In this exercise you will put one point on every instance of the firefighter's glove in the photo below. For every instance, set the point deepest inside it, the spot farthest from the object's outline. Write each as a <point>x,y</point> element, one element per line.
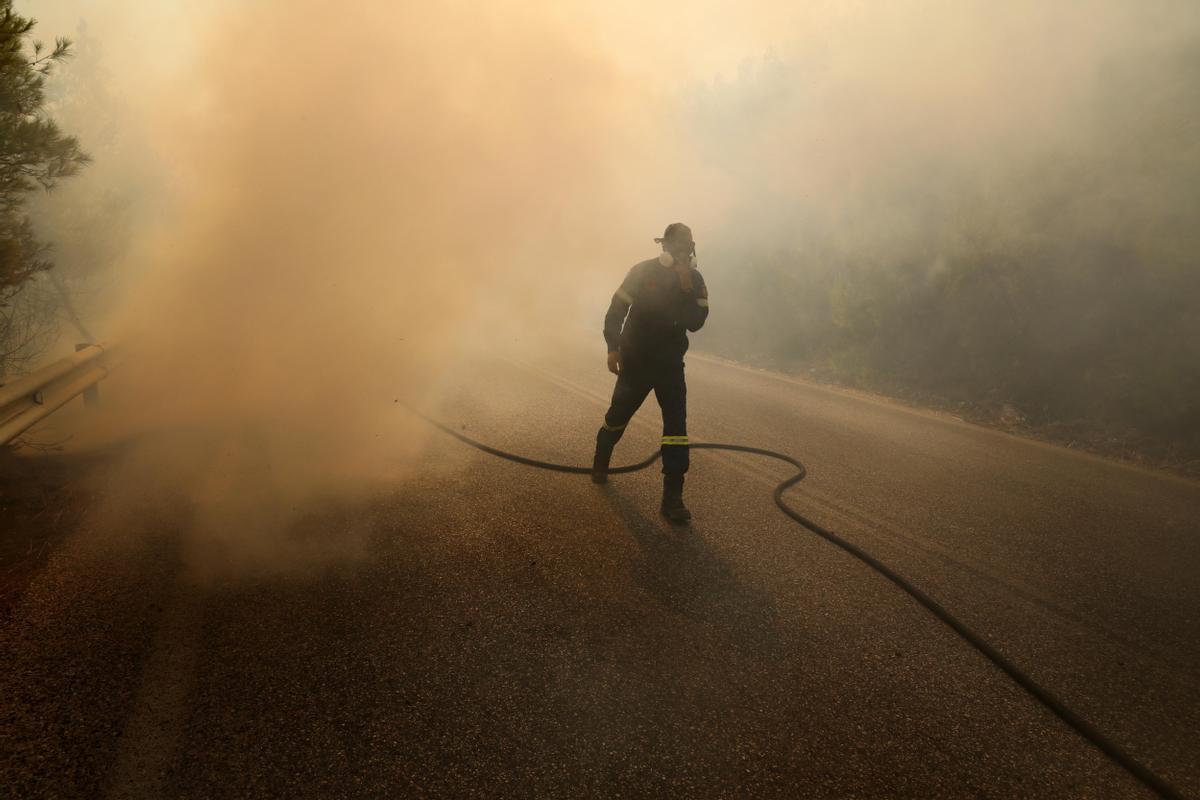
<point>614,363</point>
<point>684,272</point>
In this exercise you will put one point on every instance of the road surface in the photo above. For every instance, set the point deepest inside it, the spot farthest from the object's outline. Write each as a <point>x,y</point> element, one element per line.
<point>504,632</point>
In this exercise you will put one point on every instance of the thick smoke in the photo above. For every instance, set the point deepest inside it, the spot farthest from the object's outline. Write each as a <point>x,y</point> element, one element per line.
<point>352,195</point>
<point>353,198</point>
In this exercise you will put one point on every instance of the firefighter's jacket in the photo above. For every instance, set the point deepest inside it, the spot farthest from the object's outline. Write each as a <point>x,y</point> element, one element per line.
<point>659,313</point>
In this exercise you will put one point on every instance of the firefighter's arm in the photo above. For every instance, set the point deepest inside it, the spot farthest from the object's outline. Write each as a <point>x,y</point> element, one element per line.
<point>695,304</point>
<point>614,321</point>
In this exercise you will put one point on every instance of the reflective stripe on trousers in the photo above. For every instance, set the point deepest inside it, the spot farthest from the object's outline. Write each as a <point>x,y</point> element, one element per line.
<point>633,385</point>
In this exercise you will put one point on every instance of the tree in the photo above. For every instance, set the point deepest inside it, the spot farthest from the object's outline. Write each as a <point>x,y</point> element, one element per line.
<point>34,154</point>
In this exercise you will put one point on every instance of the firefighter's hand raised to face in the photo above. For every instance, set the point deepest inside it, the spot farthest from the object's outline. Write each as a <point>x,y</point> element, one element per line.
<point>684,273</point>
<point>614,363</point>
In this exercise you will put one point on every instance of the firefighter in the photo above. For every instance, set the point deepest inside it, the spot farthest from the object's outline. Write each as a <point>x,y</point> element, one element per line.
<point>646,332</point>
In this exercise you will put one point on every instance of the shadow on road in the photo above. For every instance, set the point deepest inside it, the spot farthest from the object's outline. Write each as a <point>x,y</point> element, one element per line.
<point>682,572</point>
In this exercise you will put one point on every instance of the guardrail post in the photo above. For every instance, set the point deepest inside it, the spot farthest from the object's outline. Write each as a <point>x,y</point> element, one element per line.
<point>91,395</point>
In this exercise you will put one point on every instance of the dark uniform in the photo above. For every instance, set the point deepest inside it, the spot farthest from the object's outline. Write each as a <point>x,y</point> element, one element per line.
<point>647,323</point>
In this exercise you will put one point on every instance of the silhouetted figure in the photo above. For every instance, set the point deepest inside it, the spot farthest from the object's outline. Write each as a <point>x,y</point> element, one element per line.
<point>646,331</point>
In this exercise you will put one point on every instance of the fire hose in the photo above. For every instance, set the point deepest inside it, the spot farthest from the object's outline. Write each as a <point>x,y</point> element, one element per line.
<point>1047,698</point>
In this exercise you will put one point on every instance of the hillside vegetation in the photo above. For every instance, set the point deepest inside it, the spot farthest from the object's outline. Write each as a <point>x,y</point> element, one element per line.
<point>1058,283</point>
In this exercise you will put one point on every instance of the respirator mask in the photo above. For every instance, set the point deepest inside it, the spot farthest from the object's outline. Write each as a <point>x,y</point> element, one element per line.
<point>667,260</point>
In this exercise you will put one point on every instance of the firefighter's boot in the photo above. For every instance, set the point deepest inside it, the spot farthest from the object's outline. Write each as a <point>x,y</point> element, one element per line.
<point>672,501</point>
<point>605,441</point>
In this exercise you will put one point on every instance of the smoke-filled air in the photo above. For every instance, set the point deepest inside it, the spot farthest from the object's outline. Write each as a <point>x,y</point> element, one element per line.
<point>599,398</point>
<point>297,217</point>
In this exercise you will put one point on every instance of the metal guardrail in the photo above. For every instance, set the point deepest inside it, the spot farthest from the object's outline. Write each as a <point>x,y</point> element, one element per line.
<point>33,397</point>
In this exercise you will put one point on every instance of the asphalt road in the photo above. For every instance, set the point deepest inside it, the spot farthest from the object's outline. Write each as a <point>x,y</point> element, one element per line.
<point>504,632</point>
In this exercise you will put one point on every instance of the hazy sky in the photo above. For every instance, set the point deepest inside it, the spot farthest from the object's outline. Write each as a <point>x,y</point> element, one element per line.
<point>145,42</point>
<point>666,44</point>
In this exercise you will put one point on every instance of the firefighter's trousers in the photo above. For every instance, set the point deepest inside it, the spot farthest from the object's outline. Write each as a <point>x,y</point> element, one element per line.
<point>633,384</point>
